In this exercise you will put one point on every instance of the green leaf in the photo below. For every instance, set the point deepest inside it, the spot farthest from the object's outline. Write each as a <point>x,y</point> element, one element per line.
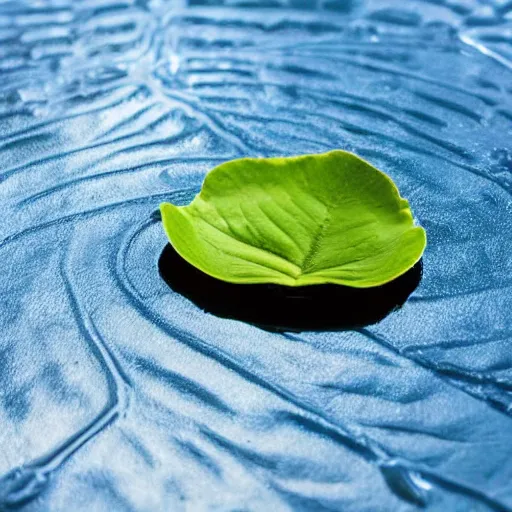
<point>329,218</point>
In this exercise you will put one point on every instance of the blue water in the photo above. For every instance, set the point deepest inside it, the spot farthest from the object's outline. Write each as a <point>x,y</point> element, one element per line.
<point>117,393</point>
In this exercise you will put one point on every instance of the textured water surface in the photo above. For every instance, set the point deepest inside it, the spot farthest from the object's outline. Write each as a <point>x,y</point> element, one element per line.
<point>117,393</point>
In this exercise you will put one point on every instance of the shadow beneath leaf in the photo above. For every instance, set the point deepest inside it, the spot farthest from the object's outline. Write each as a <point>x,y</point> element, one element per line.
<point>283,308</point>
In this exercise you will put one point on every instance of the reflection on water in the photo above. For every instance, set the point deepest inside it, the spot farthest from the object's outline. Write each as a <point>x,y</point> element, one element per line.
<point>118,393</point>
<point>280,308</point>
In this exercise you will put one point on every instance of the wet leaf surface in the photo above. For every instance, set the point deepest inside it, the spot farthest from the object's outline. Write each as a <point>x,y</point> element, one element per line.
<point>297,221</point>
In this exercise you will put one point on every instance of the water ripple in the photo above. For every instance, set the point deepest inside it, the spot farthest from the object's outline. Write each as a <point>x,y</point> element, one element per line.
<point>115,392</point>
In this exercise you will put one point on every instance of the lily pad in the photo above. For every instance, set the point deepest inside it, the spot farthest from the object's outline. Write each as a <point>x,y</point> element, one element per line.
<point>296,221</point>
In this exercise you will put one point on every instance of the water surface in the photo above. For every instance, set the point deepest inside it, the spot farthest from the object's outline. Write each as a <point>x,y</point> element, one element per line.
<point>117,393</point>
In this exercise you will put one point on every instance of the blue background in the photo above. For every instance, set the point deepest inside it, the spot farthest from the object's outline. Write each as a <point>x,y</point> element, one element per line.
<point>118,394</point>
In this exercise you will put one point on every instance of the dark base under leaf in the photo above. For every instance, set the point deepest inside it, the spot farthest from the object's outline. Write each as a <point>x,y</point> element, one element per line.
<point>282,308</point>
